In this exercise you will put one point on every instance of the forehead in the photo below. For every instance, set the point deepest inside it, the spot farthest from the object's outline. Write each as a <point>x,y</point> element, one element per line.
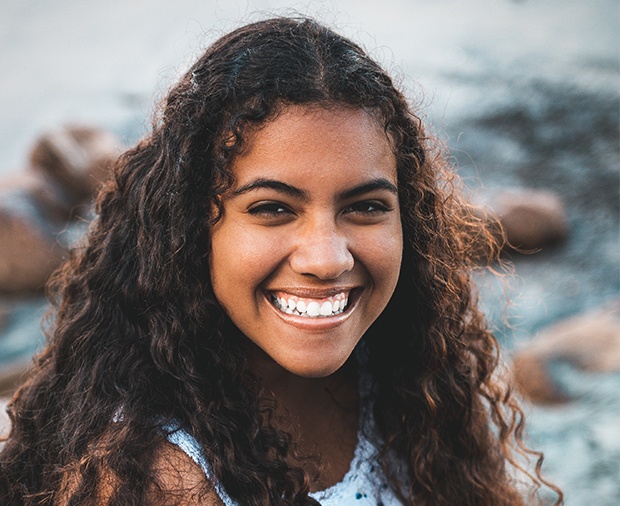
<point>316,142</point>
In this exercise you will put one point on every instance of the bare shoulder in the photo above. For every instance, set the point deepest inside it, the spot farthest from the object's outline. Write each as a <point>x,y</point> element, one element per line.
<point>179,480</point>
<point>176,481</point>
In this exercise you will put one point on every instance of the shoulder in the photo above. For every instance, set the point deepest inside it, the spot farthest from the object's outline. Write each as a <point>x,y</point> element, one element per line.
<point>180,480</point>
<point>176,481</point>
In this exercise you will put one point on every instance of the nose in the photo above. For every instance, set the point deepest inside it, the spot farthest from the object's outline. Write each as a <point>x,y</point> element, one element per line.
<point>322,251</point>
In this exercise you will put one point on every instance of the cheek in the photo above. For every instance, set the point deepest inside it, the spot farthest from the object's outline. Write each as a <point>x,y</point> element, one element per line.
<point>389,264</point>
<point>382,255</point>
<point>240,260</point>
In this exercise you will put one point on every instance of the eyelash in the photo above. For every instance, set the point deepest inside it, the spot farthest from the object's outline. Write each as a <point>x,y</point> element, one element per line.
<point>275,209</point>
<point>269,209</point>
<point>369,207</point>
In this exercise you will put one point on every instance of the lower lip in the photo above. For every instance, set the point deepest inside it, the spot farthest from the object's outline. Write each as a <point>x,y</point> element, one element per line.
<point>319,324</point>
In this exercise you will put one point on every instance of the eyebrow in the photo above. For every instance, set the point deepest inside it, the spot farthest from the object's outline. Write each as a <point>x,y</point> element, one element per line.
<point>273,184</point>
<point>372,185</point>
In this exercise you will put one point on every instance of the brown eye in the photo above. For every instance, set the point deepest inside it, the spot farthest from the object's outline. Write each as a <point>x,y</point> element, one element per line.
<point>369,207</point>
<point>269,209</point>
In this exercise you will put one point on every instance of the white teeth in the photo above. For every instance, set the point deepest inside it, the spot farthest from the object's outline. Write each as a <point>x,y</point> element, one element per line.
<point>326,309</point>
<point>314,309</point>
<point>311,308</point>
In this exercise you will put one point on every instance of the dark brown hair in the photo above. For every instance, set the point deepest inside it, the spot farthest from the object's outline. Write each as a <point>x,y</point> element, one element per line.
<point>138,337</point>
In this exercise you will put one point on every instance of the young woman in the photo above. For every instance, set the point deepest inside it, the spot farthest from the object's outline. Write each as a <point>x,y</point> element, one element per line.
<point>273,306</point>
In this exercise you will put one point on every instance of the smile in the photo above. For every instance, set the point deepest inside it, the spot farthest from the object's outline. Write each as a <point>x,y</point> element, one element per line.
<point>309,307</point>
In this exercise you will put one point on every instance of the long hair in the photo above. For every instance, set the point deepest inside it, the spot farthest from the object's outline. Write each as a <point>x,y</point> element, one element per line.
<point>138,337</point>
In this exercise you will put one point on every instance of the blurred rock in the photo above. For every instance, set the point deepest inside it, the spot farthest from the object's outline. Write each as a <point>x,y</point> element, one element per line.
<point>67,166</point>
<point>534,381</point>
<point>530,219</point>
<point>79,158</point>
<point>27,255</point>
<point>37,188</point>
<point>29,251</point>
<point>4,316</point>
<point>590,342</point>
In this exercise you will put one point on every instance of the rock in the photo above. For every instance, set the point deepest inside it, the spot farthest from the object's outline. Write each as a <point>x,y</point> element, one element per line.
<point>79,158</point>
<point>27,255</point>
<point>590,342</point>
<point>29,251</point>
<point>530,219</point>
<point>67,166</point>
<point>52,201</point>
<point>533,380</point>
<point>4,316</point>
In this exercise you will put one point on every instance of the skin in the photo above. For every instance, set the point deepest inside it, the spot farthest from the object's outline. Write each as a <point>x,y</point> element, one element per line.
<point>313,213</point>
<point>312,216</point>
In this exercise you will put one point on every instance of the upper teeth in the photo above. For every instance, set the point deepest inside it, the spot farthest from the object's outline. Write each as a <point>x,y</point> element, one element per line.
<point>311,307</point>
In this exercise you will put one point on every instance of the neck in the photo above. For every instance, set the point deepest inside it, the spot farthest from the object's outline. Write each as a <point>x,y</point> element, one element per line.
<point>297,393</point>
<point>321,415</point>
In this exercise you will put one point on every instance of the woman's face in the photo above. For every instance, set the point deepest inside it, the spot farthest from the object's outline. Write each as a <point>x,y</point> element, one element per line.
<point>308,250</point>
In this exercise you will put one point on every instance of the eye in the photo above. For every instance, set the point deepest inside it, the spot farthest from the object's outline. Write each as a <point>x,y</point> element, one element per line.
<point>269,210</point>
<point>368,207</point>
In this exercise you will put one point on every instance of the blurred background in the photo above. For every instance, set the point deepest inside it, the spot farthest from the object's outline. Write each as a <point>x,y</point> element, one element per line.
<point>524,94</point>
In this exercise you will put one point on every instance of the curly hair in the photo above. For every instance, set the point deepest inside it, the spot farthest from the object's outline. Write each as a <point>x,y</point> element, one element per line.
<point>137,335</point>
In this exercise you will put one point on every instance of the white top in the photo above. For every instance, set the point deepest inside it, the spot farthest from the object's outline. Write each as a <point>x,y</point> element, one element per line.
<point>363,485</point>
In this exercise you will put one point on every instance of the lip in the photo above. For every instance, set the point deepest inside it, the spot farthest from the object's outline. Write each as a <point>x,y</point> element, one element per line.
<point>316,324</point>
<point>313,293</point>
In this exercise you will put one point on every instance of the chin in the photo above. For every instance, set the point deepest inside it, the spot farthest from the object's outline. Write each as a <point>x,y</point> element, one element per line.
<point>313,368</point>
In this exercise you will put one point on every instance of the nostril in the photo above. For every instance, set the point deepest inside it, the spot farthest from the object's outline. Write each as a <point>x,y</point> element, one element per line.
<point>326,257</point>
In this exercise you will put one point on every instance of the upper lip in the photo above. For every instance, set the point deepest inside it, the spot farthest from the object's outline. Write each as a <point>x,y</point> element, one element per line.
<point>313,293</point>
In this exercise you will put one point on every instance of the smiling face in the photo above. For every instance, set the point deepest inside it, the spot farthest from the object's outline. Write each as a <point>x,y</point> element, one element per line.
<point>308,250</point>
